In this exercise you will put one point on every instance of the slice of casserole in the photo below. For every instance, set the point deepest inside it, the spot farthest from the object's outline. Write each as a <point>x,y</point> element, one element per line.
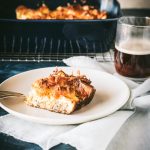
<point>61,93</point>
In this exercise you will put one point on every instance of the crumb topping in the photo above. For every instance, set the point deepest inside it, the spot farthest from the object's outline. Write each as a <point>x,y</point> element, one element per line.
<point>59,83</point>
<point>69,12</point>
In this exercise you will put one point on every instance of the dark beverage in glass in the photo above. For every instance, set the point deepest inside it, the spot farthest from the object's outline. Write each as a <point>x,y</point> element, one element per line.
<point>132,48</point>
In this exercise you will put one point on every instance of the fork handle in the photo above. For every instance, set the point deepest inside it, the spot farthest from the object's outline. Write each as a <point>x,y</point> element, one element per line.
<point>4,94</point>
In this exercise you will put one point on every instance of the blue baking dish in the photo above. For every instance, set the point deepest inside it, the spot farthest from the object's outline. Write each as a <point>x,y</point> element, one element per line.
<point>57,36</point>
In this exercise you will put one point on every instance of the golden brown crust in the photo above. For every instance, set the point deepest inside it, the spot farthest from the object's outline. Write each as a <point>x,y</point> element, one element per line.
<point>59,83</point>
<point>62,12</point>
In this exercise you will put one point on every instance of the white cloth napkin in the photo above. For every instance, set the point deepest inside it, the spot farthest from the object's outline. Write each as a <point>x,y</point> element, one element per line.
<point>92,135</point>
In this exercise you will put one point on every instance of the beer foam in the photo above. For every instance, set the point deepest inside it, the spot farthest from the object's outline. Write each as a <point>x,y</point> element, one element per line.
<point>134,47</point>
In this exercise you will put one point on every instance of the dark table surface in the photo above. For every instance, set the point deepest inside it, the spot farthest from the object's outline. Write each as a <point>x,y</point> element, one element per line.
<point>8,69</point>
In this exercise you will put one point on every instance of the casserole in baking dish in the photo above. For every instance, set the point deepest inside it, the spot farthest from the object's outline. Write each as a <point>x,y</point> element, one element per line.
<point>57,36</point>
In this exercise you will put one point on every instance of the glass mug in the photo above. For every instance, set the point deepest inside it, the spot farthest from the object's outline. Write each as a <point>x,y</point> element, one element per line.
<point>132,47</point>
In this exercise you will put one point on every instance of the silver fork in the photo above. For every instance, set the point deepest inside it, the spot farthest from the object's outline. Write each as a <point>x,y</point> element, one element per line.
<point>4,94</point>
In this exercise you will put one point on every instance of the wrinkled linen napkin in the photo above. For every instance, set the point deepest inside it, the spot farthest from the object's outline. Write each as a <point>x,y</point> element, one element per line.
<point>87,136</point>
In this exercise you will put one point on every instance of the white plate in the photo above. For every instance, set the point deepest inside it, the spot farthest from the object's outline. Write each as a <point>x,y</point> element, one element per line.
<point>111,94</point>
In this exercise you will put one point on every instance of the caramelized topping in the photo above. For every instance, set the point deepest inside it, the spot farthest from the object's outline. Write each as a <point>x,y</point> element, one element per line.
<point>60,83</point>
<point>62,12</point>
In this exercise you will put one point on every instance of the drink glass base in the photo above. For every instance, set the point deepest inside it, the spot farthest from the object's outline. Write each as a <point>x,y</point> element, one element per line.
<point>138,80</point>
